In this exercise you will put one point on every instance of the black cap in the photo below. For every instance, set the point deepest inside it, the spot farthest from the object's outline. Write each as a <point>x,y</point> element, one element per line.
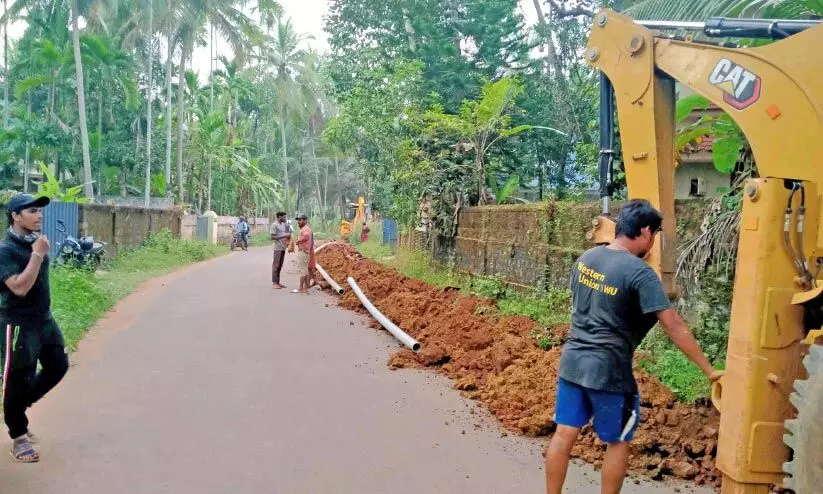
<point>301,216</point>
<point>23,201</point>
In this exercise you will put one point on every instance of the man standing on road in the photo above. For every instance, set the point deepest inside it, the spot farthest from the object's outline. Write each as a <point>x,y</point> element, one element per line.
<point>31,333</point>
<point>305,250</point>
<point>280,234</point>
<point>616,299</point>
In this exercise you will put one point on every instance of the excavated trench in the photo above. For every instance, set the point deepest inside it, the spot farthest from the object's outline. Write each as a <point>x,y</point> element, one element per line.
<point>492,358</point>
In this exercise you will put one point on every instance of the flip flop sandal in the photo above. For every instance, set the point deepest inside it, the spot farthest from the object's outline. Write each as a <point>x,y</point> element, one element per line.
<point>23,452</point>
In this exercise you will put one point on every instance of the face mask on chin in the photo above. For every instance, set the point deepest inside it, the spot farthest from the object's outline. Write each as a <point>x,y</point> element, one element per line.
<point>28,238</point>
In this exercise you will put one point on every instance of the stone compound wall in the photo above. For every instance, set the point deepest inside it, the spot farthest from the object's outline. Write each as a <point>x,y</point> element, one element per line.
<point>534,245</point>
<point>125,226</point>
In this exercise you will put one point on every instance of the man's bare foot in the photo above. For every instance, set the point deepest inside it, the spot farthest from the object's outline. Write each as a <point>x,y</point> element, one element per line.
<point>277,286</point>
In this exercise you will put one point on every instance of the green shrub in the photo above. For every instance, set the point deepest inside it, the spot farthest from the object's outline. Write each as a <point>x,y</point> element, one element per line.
<point>677,373</point>
<point>713,306</point>
<point>77,302</point>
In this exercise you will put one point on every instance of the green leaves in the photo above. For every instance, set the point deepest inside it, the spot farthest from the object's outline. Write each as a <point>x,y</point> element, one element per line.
<point>29,84</point>
<point>518,129</point>
<point>496,99</point>
<point>509,188</point>
<point>51,188</point>
<point>725,151</point>
<point>727,138</point>
<point>686,105</point>
<point>692,133</point>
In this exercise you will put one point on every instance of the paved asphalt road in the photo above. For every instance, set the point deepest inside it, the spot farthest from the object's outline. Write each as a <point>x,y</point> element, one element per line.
<point>208,381</point>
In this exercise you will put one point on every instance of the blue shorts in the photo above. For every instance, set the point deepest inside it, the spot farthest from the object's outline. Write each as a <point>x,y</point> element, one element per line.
<point>616,415</point>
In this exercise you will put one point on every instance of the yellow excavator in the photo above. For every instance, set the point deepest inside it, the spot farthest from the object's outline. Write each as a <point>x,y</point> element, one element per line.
<point>771,397</point>
<point>356,216</point>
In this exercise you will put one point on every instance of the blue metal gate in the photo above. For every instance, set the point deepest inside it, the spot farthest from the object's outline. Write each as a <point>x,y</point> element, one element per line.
<point>60,219</point>
<point>202,229</point>
<point>389,231</point>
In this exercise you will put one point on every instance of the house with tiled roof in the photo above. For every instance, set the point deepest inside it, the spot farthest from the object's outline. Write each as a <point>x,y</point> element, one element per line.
<point>696,175</point>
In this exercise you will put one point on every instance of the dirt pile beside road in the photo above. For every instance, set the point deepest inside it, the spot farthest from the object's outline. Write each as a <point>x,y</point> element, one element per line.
<point>493,359</point>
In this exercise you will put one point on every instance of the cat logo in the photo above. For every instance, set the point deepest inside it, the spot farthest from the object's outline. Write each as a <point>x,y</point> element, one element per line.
<point>740,87</point>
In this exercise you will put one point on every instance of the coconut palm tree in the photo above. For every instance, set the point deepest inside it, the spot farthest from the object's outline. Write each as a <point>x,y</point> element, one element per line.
<point>698,10</point>
<point>294,81</point>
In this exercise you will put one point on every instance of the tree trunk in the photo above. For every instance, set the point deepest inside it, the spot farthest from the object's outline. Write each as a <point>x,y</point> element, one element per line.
<point>169,104</point>
<point>88,190</point>
<point>550,51</point>
<point>326,192</point>
<point>208,192</point>
<point>319,192</point>
<point>299,180</point>
<point>211,66</point>
<point>478,163</point>
<point>409,29</point>
<point>99,125</point>
<point>149,98</point>
<point>541,170</point>
<point>26,162</point>
<point>339,190</point>
<point>52,90</point>
<point>285,158</point>
<point>6,67</point>
<point>122,181</point>
<point>181,105</point>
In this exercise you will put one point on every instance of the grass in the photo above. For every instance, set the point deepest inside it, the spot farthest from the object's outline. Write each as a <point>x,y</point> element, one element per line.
<point>260,239</point>
<point>80,297</point>
<point>547,308</point>
<point>660,358</point>
<point>675,371</point>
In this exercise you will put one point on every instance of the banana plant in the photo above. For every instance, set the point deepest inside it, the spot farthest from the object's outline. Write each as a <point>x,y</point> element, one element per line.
<point>51,188</point>
<point>727,138</point>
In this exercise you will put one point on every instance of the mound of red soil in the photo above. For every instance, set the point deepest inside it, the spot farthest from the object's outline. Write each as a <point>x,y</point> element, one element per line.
<point>493,359</point>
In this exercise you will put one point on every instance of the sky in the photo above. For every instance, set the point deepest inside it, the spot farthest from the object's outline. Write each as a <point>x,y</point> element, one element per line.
<point>306,16</point>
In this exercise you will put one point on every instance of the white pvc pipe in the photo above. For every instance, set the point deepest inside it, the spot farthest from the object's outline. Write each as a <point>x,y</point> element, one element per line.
<point>328,279</point>
<point>383,320</point>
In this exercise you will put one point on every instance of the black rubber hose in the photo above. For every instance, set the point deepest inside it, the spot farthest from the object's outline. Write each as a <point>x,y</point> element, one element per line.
<point>606,135</point>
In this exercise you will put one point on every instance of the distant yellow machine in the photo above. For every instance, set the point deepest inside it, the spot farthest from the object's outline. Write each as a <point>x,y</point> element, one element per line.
<point>771,397</point>
<point>356,216</point>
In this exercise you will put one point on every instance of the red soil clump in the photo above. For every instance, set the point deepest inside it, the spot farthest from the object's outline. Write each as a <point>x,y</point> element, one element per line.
<point>492,358</point>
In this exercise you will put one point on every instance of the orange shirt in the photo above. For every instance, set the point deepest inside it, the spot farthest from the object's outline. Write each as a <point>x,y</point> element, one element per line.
<point>304,239</point>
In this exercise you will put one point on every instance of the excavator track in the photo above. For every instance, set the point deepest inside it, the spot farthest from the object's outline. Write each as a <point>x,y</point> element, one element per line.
<point>806,431</point>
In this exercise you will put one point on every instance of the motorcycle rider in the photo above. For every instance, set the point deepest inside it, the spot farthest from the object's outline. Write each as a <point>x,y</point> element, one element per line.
<point>242,230</point>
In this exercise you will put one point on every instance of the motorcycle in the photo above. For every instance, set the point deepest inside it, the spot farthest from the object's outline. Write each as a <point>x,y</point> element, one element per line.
<point>237,241</point>
<point>79,252</point>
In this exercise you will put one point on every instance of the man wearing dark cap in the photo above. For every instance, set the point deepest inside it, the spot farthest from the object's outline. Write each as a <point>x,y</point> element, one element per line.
<point>31,334</point>
<point>305,252</point>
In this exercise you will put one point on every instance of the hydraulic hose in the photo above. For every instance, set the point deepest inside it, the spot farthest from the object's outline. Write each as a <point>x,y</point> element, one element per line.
<point>606,159</point>
<point>795,258</point>
<point>801,216</point>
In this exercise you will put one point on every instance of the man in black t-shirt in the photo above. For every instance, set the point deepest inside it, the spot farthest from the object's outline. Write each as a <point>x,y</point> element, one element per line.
<point>30,333</point>
<point>616,299</point>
